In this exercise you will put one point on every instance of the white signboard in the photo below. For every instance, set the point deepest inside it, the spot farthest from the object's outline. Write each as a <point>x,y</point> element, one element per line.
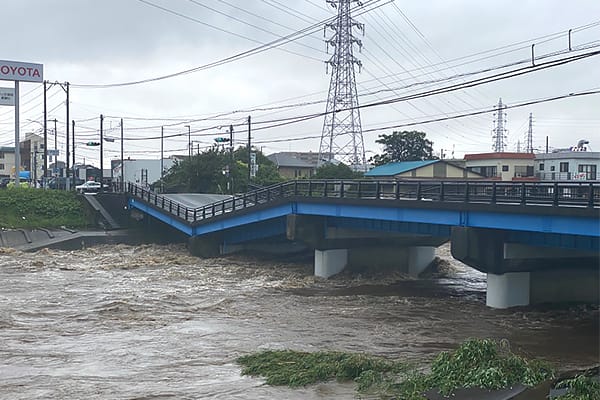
<point>7,96</point>
<point>20,71</point>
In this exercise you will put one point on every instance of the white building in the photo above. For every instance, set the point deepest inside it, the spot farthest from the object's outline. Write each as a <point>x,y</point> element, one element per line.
<point>568,165</point>
<point>504,166</point>
<point>141,172</point>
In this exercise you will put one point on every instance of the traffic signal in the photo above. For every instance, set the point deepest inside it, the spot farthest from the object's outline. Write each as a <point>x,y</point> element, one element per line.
<point>221,140</point>
<point>92,144</point>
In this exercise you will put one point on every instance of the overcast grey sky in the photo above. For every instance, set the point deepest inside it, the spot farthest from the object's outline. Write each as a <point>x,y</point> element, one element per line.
<point>406,42</point>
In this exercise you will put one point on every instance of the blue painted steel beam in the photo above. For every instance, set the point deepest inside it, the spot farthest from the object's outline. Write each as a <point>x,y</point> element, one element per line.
<point>167,218</point>
<point>476,219</point>
<point>560,231</point>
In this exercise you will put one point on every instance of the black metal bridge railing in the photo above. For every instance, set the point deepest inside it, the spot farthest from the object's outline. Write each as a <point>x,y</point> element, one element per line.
<point>553,194</point>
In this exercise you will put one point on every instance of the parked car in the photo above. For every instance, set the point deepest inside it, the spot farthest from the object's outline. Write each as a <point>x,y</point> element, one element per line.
<point>61,183</point>
<point>90,187</point>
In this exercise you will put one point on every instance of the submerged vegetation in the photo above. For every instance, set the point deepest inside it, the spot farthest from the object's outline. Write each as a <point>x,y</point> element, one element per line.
<point>36,208</point>
<point>480,363</point>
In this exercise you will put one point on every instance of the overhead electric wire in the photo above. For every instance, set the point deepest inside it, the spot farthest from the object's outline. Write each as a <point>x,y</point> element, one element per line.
<point>256,50</point>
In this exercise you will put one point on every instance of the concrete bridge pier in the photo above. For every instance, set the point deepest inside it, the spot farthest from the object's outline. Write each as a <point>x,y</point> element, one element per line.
<point>339,248</point>
<point>520,275</point>
<point>411,260</point>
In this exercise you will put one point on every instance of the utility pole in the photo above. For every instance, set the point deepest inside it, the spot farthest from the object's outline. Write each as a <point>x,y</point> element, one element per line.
<point>249,151</point>
<point>101,152</point>
<point>232,161</point>
<point>530,135</point>
<point>342,130</point>
<point>55,144</point>
<point>122,161</point>
<point>45,138</point>
<point>162,134</point>
<point>499,132</point>
<point>67,168</point>
<point>189,141</point>
<point>73,133</point>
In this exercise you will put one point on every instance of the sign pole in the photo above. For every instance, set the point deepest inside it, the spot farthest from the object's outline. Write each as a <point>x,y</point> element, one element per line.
<point>17,141</point>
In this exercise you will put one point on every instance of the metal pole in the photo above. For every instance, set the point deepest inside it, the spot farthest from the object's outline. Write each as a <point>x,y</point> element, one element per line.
<point>231,157</point>
<point>189,141</point>
<point>45,137</point>
<point>546,144</point>
<point>101,152</point>
<point>73,133</point>
<point>17,141</point>
<point>162,134</point>
<point>67,166</point>
<point>55,148</point>
<point>249,151</point>
<point>122,161</point>
<point>35,165</point>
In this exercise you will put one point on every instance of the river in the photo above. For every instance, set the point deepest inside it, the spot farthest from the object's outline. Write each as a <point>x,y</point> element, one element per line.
<point>153,322</point>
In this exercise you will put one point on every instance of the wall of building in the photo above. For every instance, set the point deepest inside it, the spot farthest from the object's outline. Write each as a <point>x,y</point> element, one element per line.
<point>295,172</point>
<point>568,166</point>
<point>7,161</point>
<point>142,171</point>
<point>506,169</point>
<point>438,170</point>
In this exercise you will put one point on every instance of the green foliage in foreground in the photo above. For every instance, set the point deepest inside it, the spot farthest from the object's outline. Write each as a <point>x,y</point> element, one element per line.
<point>36,208</point>
<point>293,368</point>
<point>476,363</point>
<point>581,388</point>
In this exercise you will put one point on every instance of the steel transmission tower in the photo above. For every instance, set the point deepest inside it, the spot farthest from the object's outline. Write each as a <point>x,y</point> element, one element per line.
<point>530,135</point>
<point>499,132</point>
<point>342,130</point>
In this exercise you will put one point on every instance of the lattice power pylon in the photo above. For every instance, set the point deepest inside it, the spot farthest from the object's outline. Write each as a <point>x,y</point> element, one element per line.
<point>530,134</point>
<point>499,132</point>
<point>342,131</point>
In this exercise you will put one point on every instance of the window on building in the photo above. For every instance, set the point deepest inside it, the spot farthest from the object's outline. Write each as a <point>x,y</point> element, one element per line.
<point>505,168</point>
<point>541,166</point>
<point>1,155</point>
<point>552,168</point>
<point>589,170</point>
<point>1,166</point>
<point>564,167</point>
<point>523,170</point>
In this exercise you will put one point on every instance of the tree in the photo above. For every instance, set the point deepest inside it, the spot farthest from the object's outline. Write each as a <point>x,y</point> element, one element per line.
<point>404,146</point>
<point>333,171</point>
<point>213,171</point>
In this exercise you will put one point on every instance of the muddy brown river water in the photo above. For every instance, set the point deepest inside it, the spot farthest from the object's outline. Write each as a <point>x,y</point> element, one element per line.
<point>152,322</point>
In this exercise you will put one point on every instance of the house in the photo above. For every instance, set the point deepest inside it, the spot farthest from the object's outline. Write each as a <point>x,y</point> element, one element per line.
<point>503,166</point>
<point>428,169</point>
<point>567,165</point>
<point>291,167</point>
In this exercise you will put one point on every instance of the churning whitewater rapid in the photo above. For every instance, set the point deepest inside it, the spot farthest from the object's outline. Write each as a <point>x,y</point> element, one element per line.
<point>153,322</point>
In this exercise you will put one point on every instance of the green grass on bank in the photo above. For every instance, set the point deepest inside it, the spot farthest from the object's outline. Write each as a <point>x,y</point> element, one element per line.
<point>476,363</point>
<point>36,208</point>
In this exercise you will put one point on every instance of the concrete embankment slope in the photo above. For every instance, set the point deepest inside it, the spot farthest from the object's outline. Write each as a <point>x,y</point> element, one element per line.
<point>66,239</point>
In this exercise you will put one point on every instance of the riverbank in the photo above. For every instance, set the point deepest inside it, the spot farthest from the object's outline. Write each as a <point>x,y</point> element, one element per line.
<point>63,239</point>
<point>30,208</point>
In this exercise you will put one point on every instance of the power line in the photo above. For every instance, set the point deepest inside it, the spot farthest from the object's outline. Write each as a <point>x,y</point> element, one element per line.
<point>256,50</point>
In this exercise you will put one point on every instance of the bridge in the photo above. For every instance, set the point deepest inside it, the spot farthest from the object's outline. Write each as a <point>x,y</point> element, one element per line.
<point>536,241</point>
